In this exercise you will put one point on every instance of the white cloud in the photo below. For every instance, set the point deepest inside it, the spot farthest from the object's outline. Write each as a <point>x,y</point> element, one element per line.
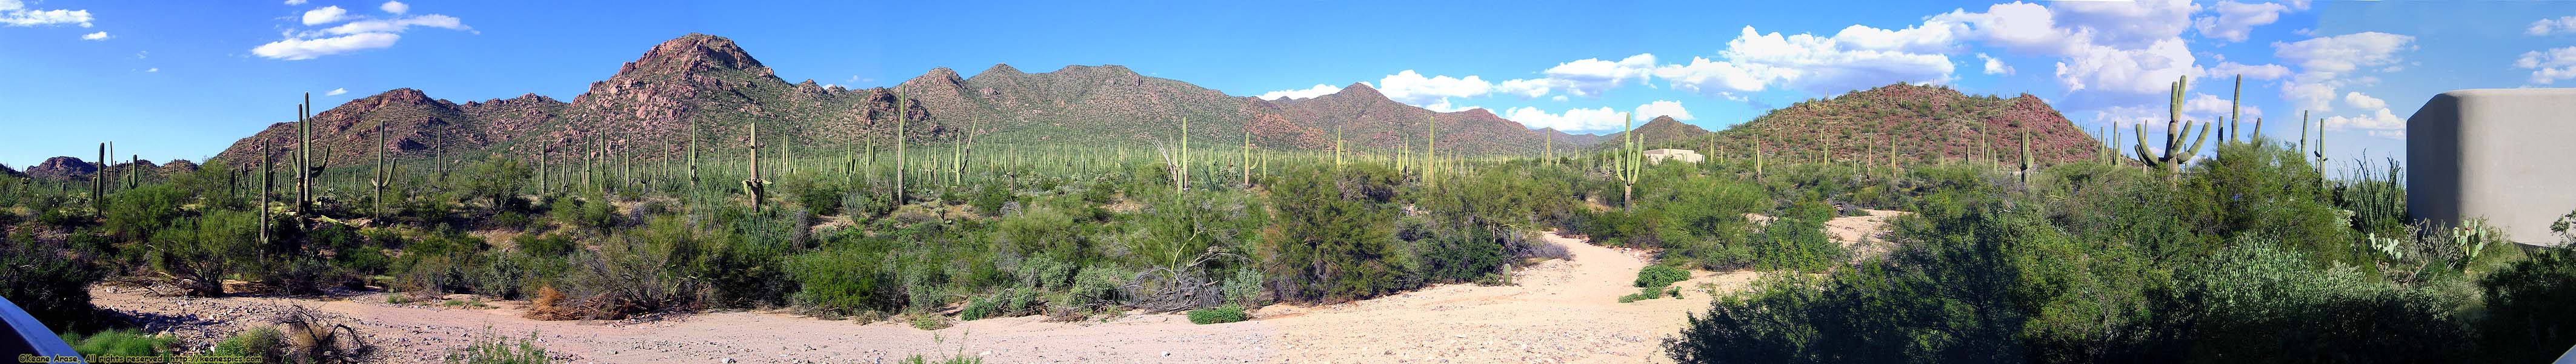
<point>2344,53</point>
<point>294,2</point>
<point>2549,67</point>
<point>398,25</point>
<point>2325,62</point>
<point>1858,57</point>
<point>1308,93</point>
<point>2364,102</point>
<point>2209,107</point>
<point>1717,78</point>
<point>153,70</point>
<point>2564,24</point>
<point>2018,26</point>
<point>302,49</point>
<point>1444,106</point>
<point>2391,134</point>
<point>1995,66</point>
<point>2380,119</point>
<point>1559,98</point>
<point>1413,89</point>
<point>2127,25</point>
<point>360,33</point>
<point>325,15</point>
<point>1526,88</point>
<point>1591,76</point>
<point>2129,72</point>
<point>1573,120</point>
<point>2259,72</point>
<point>2235,20</point>
<point>95,36</point>
<point>1664,108</point>
<point>15,13</point>
<point>336,92</point>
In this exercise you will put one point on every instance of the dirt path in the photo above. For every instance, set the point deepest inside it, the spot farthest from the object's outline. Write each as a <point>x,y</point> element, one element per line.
<point>1561,311</point>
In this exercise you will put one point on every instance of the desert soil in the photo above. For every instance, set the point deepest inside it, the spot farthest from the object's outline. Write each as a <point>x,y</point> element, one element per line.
<point>1559,311</point>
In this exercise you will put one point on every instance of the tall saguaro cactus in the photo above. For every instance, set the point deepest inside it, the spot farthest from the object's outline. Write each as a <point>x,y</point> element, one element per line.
<point>2236,113</point>
<point>2026,163</point>
<point>902,110</point>
<point>1431,153</point>
<point>2175,131</point>
<point>98,179</point>
<point>1629,160</point>
<point>267,184</point>
<point>759,189</point>
<point>1247,155</point>
<point>1181,169</point>
<point>384,175</point>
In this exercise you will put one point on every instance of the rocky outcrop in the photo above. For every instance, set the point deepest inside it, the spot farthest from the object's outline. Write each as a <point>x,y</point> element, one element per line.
<point>62,168</point>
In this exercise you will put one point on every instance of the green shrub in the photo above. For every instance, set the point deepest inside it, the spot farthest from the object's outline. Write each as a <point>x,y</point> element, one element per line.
<point>931,322</point>
<point>1658,276</point>
<point>980,308</point>
<point>1333,240</point>
<point>1244,288</point>
<point>49,286</point>
<point>2527,316</point>
<point>260,341</point>
<point>1219,314</point>
<point>123,342</point>
<point>492,348</point>
<point>1644,293</point>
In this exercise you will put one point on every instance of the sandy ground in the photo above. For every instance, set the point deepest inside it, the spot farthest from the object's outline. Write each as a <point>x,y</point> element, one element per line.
<point>1861,234</point>
<point>1560,312</point>
<point>1563,311</point>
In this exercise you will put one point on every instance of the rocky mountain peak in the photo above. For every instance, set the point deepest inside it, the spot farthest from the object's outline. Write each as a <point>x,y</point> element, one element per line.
<point>692,53</point>
<point>62,168</point>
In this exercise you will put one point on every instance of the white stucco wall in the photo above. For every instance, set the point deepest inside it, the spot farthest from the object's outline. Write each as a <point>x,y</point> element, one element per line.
<point>2508,155</point>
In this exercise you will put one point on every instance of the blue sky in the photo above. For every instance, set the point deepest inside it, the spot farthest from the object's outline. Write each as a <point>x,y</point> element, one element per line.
<point>181,80</point>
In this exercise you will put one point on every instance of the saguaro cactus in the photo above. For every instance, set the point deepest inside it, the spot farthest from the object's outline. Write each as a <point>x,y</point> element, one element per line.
<point>2026,163</point>
<point>1628,162</point>
<point>693,155</point>
<point>98,179</point>
<point>1431,153</point>
<point>2236,112</point>
<point>902,111</point>
<point>1247,155</point>
<point>2175,131</point>
<point>759,189</point>
<point>267,184</point>
<point>384,171</point>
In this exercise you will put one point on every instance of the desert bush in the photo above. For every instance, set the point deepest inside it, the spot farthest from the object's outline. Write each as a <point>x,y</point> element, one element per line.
<point>1451,253</point>
<point>1796,241</point>
<point>494,180</point>
<point>49,284</point>
<point>1244,288</point>
<point>123,342</point>
<point>930,322</point>
<point>264,342</point>
<point>1219,315</point>
<point>2527,317</point>
<point>845,277</point>
<point>492,348</point>
<point>1659,276</point>
<point>1333,240</point>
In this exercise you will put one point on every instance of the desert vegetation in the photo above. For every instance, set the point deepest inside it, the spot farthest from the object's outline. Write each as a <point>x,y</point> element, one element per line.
<point>2254,253</point>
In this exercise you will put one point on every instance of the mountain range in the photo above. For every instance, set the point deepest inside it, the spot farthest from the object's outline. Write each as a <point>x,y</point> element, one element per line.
<point>708,83</point>
<point>708,89</point>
